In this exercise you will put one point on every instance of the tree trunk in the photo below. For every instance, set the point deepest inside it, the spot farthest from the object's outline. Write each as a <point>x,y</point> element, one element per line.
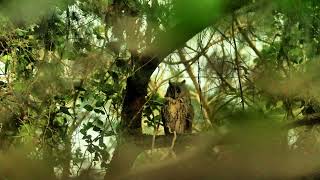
<point>67,158</point>
<point>122,160</point>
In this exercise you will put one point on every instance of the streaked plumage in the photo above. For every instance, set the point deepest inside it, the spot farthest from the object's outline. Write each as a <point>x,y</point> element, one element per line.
<point>177,112</point>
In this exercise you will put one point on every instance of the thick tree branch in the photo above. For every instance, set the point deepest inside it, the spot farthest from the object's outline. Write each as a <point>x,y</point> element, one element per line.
<point>164,141</point>
<point>144,141</point>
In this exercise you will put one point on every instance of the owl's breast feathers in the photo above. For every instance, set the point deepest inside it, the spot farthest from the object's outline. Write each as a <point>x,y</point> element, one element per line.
<point>177,114</point>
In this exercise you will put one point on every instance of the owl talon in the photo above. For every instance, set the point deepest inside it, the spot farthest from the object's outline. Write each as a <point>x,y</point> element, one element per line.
<point>173,154</point>
<point>173,140</point>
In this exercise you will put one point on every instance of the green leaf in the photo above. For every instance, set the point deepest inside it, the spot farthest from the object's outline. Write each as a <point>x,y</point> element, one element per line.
<point>83,131</point>
<point>157,118</point>
<point>104,164</point>
<point>114,76</point>
<point>6,67</point>
<point>88,107</point>
<point>65,110</point>
<point>110,133</point>
<point>91,149</point>
<point>99,122</point>
<point>102,112</point>
<point>108,89</point>
<point>99,103</point>
<point>99,111</point>
<point>96,128</point>
<point>101,143</point>
<point>78,88</point>
<point>21,32</point>
<point>120,62</point>
<point>88,137</point>
<point>6,58</point>
<point>96,156</point>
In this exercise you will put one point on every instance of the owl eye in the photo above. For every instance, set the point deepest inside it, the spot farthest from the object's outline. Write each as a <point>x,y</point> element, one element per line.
<point>178,90</point>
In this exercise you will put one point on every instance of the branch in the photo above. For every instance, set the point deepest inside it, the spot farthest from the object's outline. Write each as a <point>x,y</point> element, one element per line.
<point>196,139</point>
<point>247,39</point>
<point>237,64</point>
<point>144,141</point>
<point>204,102</point>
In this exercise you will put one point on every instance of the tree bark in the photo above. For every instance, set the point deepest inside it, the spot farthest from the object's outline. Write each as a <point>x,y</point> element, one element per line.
<point>66,172</point>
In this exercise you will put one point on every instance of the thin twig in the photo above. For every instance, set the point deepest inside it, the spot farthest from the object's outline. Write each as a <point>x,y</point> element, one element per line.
<point>237,64</point>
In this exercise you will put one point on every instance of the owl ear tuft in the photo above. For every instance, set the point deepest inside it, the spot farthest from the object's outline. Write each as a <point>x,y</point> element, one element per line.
<point>183,82</point>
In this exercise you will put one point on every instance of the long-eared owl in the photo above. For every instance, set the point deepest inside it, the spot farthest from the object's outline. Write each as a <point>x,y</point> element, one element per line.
<point>177,112</point>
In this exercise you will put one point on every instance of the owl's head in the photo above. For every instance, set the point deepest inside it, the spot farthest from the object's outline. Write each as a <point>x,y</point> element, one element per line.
<point>177,90</point>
